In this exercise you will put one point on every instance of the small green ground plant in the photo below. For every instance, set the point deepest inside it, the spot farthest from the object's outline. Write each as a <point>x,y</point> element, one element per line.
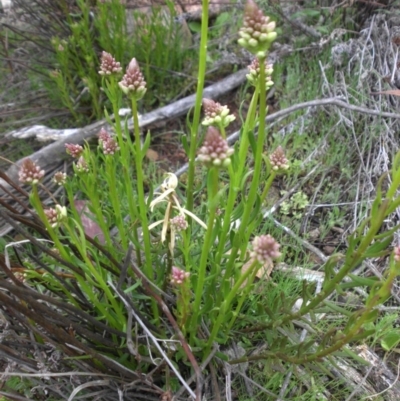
<point>76,77</point>
<point>175,283</point>
<point>65,40</point>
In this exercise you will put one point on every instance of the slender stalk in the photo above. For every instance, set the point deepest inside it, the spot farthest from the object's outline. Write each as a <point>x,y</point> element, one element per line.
<point>235,178</point>
<point>148,269</point>
<point>115,201</point>
<point>268,186</point>
<point>248,208</point>
<point>37,204</point>
<point>114,95</point>
<point>197,107</point>
<point>201,275</point>
<point>225,306</point>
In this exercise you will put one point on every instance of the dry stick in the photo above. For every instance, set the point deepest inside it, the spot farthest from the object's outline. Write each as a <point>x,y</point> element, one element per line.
<point>52,153</point>
<point>333,101</point>
<point>148,287</point>
<point>153,338</point>
<point>202,367</point>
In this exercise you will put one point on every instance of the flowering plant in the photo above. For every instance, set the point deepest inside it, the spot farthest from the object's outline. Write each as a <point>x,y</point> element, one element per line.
<point>193,266</point>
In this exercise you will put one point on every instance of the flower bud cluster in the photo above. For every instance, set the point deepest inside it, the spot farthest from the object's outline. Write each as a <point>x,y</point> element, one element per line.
<point>74,150</point>
<point>60,178</point>
<point>265,248</point>
<point>109,144</point>
<point>257,32</point>
<point>216,114</point>
<point>109,66</point>
<point>133,83</point>
<point>179,223</point>
<point>56,216</point>
<point>30,173</point>
<point>215,150</point>
<point>103,135</point>
<point>254,73</point>
<point>278,160</point>
<point>178,276</point>
<point>81,165</point>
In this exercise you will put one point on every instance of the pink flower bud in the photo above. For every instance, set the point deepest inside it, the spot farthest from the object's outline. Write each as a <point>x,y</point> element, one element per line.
<point>178,276</point>
<point>133,82</point>
<point>254,73</point>
<point>216,114</point>
<point>278,160</point>
<point>60,178</point>
<point>74,150</point>
<point>179,223</point>
<point>257,32</point>
<point>110,146</point>
<point>108,65</point>
<point>103,135</point>
<point>30,173</point>
<point>56,216</point>
<point>215,150</point>
<point>265,248</point>
<point>81,165</point>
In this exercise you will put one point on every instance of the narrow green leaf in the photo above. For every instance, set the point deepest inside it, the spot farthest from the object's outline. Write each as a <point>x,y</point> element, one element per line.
<point>185,143</point>
<point>146,144</point>
<point>376,249</point>
<point>358,281</point>
<point>253,142</point>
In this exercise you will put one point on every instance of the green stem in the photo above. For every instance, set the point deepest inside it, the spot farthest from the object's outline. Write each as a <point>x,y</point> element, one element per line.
<point>244,138</point>
<point>148,269</point>
<point>235,179</point>
<point>205,251</point>
<point>225,306</point>
<point>249,204</point>
<point>197,107</point>
<point>114,94</point>
<point>268,186</point>
<point>37,204</point>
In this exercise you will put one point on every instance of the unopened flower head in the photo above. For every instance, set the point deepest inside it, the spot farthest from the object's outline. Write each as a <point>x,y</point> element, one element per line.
<point>254,73</point>
<point>133,83</point>
<point>257,32</point>
<point>60,178</point>
<point>81,165</point>
<point>109,66</point>
<point>215,150</point>
<point>74,150</point>
<point>30,172</point>
<point>56,216</point>
<point>265,248</point>
<point>103,135</point>
<point>178,276</point>
<point>397,253</point>
<point>179,223</point>
<point>110,146</point>
<point>216,114</point>
<point>278,160</point>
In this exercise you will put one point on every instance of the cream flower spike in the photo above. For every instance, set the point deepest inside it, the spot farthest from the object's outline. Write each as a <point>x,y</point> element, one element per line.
<point>168,195</point>
<point>167,187</point>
